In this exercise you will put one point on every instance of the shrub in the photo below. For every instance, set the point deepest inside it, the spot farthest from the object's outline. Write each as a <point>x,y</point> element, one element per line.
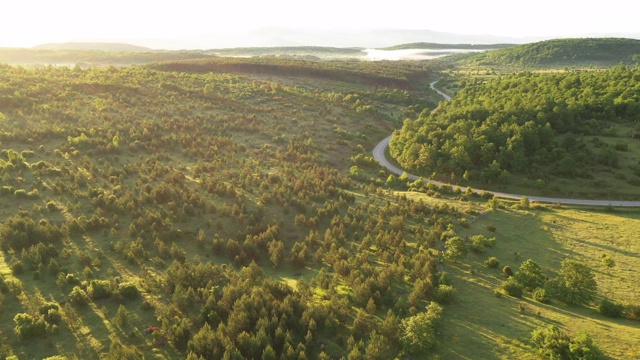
<point>492,262</point>
<point>51,206</point>
<point>540,295</point>
<point>491,228</point>
<point>512,287</point>
<point>480,242</point>
<point>555,344</point>
<point>445,294</point>
<point>611,309</point>
<point>507,271</point>
<point>28,326</point>
<point>4,288</point>
<point>20,193</point>
<point>17,267</point>
<point>632,312</point>
<point>78,297</point>
<point>608,261</point>
<point>99,289</point>
<point>128,291</point>
<point>52,316</point>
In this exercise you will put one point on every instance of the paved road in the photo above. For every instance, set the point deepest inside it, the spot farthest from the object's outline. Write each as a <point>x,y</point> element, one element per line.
<point>379,155</point>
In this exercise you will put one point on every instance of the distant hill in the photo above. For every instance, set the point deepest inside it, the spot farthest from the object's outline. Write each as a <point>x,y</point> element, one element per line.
<point>101,46</point>
<point>318,52</point>
<point>367,38</point>
<point>88,58</point>
<point>600,52</point>
<point>425,45</point>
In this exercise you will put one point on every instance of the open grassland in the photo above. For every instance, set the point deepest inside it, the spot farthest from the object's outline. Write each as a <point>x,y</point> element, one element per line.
<point>481,325</point>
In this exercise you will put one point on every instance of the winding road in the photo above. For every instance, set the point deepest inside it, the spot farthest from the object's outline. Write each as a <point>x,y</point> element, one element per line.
<point>379,155</point>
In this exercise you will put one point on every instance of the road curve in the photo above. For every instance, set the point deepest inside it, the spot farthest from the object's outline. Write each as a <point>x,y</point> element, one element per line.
<point>379,155</point>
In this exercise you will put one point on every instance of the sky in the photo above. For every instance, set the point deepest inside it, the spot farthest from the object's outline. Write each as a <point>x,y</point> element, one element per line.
<point>26,23</point>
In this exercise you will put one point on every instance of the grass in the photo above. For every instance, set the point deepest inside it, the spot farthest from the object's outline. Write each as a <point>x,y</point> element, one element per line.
<point>481,325</point>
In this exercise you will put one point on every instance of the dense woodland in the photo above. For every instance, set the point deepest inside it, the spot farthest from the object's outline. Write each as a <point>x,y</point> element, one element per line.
<point>538,125</point>
<point>556,53</point>
<point>230,209</point>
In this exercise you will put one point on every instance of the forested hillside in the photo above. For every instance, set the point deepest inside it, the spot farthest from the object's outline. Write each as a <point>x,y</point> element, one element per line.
<point>544,126</point>
<point>557,53</point>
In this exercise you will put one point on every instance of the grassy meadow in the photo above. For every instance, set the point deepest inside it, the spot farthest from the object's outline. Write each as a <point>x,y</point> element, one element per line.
<point>481,325</point>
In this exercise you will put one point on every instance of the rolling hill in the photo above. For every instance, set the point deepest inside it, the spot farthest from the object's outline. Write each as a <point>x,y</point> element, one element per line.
<point>101,46</point>
<point>558,53</point>
<point>439,46</point>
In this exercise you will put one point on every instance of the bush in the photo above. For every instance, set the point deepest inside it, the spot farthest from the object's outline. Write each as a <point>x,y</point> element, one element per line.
<point>99,289</point>
<point>445,294</point>
<point>611,309</point>
<point>607,261</point>
<point>129,291</point>
<point>78,297</point>
<point>540,295</point>
<point>507,271</point>
<point>480,242</point>
<point>632,312</point>
<point>492,262</point>
<point>512,287</point>
<point>491,228</point>
<point>28,326</point>
<point>555,344</point>
<point>4,288</point>
<point>17,267</point>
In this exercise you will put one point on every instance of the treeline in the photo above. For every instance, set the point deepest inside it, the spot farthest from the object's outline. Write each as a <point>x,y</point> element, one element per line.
<point>560,53</point>
<point>424,45</point>
<point>526,123</point>
<point>401,75</point>
<point>85,57</point>
<point>284,51</point>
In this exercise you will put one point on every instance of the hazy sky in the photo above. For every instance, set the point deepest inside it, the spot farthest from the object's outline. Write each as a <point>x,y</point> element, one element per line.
<point>31,22</point>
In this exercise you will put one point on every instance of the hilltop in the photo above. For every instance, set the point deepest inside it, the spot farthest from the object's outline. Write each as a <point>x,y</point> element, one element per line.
<point>557,53</point>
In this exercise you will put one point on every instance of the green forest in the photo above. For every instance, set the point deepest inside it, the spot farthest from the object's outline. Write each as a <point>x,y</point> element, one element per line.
<point>230,208</point>
<point>533,127</point>
<point>555,54</point>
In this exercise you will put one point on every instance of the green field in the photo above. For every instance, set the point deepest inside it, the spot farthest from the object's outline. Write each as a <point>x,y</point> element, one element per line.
<point>499,327</point>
